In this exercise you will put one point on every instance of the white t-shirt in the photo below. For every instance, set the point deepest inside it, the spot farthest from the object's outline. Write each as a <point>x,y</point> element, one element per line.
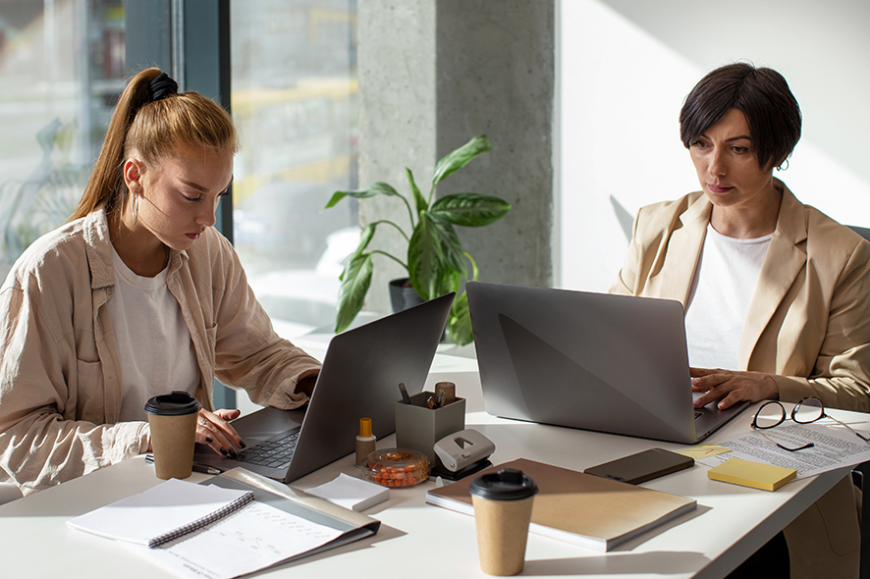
<point>721,291</point>
<point>154,344</point>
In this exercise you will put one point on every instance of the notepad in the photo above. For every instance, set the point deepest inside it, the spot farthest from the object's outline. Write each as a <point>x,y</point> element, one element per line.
<point>351,493</point>
<point>766,477</point>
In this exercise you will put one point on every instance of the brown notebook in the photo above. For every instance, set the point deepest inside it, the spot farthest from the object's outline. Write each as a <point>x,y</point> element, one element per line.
<point>583,509</point>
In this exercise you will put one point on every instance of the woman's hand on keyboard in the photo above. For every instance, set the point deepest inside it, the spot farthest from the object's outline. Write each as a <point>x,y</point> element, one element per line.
<point>214,431</point>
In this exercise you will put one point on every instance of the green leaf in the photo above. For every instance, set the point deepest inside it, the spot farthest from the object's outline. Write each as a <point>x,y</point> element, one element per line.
<point>459,322</point>
<point>356,279</point>
<point>378,188</point>
<point>451,247</point>
<point>425,258</point>
<point>459,158</point>
<point>419,201</point>
<point>470,209</point>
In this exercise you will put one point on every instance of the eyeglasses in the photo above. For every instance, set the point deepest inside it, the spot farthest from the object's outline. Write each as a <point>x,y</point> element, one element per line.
<point>807,411</point>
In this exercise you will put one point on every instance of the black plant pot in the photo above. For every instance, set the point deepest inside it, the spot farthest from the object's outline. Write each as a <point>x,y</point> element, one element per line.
<point>403,295</point>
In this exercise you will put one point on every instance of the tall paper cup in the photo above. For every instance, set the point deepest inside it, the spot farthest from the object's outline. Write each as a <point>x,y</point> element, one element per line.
<point>173,431</point>
<point>502,512</point>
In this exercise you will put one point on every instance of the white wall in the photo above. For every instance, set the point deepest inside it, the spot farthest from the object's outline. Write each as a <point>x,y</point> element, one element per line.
<point>625,67</point>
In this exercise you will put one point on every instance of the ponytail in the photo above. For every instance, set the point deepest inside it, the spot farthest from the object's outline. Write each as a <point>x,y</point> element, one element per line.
<point>153,120</point>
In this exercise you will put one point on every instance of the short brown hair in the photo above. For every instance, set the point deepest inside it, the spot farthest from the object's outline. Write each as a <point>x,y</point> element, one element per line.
<point>761,94</point>
<point>154,129</point>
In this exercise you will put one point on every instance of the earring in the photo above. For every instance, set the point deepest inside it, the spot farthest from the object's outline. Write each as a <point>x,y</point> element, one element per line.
<point>135,208</point>
<point>781,168</point>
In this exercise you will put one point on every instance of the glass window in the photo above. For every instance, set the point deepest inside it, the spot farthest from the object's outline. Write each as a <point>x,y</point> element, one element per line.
<point>62,64</point>
<point>294,100</point>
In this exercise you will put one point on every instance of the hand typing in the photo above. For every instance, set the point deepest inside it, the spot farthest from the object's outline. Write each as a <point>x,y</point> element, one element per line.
<point>731,386</point>
<point>214,430</point>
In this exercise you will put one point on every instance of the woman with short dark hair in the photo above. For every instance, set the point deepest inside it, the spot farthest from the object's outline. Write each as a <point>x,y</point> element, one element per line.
<point>776,294</point>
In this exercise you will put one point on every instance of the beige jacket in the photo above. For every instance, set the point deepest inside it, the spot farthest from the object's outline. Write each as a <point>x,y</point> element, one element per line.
<point>808,323</point>
<point>60,375</point>
<point>808,326</point>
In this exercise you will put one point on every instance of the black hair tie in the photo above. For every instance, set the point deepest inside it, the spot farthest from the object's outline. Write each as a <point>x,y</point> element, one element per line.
<point>162,87</point>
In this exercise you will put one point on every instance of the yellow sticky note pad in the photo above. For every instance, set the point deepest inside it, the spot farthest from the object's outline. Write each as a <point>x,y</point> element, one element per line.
<point>705,450</point>
<point>752,474</point>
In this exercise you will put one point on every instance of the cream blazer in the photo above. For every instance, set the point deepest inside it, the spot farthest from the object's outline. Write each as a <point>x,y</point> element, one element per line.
<point>808,323</point>
<point>808,326</point>
<point>60,374</point>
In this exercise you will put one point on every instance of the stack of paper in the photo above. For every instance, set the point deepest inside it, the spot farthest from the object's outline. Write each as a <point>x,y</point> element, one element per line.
<point>351,493</point>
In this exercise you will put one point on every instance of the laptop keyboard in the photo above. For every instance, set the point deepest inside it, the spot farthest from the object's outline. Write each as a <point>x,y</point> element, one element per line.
<point>275,453</point>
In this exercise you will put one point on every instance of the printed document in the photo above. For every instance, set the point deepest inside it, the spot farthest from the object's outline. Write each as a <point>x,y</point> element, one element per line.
<point>835,447</point>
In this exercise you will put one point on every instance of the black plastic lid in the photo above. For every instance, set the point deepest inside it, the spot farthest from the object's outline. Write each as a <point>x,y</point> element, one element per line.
<point>508,484</point>
<point>174,404</point>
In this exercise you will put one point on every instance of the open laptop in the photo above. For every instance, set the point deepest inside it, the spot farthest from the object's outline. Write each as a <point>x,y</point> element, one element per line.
<point>594,361</point>
<point>360,378</point>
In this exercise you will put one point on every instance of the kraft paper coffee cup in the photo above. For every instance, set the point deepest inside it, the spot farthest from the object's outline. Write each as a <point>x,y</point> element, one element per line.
<point>502,512</point>
<point>173,431</point>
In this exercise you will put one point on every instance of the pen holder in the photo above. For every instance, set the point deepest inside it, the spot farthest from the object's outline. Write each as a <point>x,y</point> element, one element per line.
<point>419,427</point>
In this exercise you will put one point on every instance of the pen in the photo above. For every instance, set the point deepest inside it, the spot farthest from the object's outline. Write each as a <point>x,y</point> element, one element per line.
<point>197,466</point>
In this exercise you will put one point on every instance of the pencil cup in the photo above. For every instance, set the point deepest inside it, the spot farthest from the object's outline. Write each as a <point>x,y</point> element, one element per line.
<point>173,431</point>
<point>502,512</point>
<point>419,427</point>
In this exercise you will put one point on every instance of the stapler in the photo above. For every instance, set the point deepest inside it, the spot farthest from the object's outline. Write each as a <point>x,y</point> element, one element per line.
<point>462,453</point>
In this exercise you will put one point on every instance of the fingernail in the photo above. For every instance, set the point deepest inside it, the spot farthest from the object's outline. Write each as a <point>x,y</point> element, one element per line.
<point>224,451</point>
<point>233,453</point>
<point>208,439</point>
<point>242,444</point>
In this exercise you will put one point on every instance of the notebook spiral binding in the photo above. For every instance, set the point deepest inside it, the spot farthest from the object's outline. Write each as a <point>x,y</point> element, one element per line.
<point>203,521</point>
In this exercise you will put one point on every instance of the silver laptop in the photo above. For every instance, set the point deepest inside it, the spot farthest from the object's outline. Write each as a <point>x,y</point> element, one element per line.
<point>360,378</point>
<point>594,361</point>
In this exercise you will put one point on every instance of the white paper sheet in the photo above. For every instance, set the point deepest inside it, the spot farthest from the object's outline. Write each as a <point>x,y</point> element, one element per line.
<point>835,447</point>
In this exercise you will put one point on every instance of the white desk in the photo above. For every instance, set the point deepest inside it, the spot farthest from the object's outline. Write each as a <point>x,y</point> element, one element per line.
<point>421,541</point>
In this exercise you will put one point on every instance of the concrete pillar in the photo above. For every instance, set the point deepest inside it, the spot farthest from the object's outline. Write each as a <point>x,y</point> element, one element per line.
<point>433,74</point>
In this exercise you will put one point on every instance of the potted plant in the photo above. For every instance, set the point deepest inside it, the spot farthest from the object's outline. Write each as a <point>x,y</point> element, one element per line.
<point>436,261</point>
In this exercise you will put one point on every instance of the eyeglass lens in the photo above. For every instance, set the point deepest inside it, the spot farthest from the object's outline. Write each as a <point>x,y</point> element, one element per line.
<point>808,410</point>
<point>769,415</point>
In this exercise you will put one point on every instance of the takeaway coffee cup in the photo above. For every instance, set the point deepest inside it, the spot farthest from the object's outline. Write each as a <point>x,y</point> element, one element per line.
<point>173,429</point>
<point>502,512</point>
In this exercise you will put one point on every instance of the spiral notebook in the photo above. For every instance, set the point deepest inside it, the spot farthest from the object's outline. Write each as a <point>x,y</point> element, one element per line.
<point>163,513</point>
<point>228,526</point>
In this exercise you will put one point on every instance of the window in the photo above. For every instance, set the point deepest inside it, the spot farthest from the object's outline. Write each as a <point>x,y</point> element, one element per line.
<point>62,63</point>
<point>294,100</point>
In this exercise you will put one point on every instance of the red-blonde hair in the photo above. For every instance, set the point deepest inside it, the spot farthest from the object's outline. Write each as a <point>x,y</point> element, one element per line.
<point>154,129</point>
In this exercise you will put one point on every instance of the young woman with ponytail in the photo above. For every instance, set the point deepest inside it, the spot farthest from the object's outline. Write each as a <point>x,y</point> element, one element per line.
<point>135,296</point>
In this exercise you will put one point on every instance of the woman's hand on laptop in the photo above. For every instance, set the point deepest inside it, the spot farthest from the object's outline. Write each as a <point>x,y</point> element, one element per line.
<point>731,386</point>
<point>214,431</point>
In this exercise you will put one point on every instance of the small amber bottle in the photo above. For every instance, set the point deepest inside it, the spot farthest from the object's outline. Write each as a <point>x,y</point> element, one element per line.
<point>365,442</point>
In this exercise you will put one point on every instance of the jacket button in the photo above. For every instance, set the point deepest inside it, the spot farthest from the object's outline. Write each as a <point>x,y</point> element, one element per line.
<point>109,290</point>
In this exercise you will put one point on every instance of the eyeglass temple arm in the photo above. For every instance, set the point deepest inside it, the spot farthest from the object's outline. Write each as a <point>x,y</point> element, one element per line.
<point>855,432</point>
